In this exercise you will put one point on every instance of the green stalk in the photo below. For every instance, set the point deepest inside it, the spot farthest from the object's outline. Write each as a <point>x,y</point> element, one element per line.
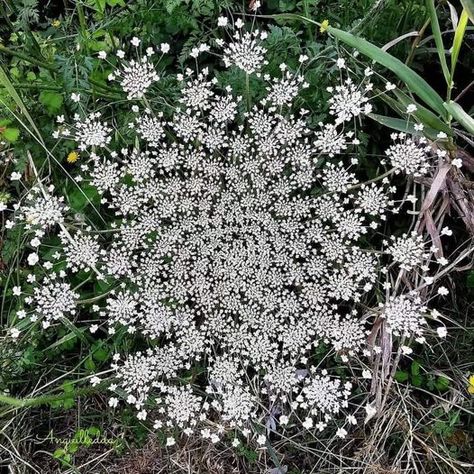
<point>17,54</point>
<point>247,91</point>
<point>82,24</point>
<point>45,399</point>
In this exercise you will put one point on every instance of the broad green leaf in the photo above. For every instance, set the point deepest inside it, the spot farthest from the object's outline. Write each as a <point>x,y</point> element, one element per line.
<point>460,115</point>
<point>11,134</point>
<point>100,352</point>
<point>52,101</point>
<point>415,368</point>
<point>79,198</point>
<point>401,376</point>
<point>438,39</point>
<point>468,5</point>
<point>89,364</point>
<point>457,42</point>
<point>442,383</point>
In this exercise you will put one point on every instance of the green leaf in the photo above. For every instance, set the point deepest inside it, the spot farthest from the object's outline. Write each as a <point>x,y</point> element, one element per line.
<point>100,353</point>
<point>460,115</point>
<point>89,364</point>
<point>5,82</point>
<point>401,376</point>
<point>52,101</point>
<point>424,115</point>
<point>442,383</point>
<point>457,41</point>
<point>438,39</point>
<point>415,368</point>
<point>59,453</point>
<point>403,125</point>
<point>11,134</point>
<point>68,338</point>
<point>79,198</point>
<point>468,5</point>
<point>410,78</point>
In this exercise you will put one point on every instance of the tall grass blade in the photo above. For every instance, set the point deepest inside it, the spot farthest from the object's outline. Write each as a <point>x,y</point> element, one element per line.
<point>438,40</point>
<point>460,115</point>
<point>6,83</point>
<point>403,126</point>
<point>457,42</point>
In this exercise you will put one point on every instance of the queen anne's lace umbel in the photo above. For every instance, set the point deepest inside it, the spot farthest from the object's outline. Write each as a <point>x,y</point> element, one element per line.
<point>232,247</point>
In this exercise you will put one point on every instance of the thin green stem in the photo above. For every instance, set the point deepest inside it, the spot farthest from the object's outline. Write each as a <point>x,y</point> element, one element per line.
<point>247,91</point>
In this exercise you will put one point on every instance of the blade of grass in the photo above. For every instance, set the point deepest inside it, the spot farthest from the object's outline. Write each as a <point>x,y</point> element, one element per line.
<point>403,126</point>
<point>6,83</point>
<point>460,115</point>
<point>438,40</point>
<point>457,41</point>
<point>468,5</point>
<point>425,115</point>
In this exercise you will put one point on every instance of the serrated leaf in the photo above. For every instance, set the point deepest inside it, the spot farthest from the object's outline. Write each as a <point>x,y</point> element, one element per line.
<point>442,383</point>
<point>415,368</point>
<point>52,101</point>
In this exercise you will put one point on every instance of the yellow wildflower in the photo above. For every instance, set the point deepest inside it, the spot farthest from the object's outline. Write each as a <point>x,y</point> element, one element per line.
<point>72,157</point>
<point>324,26</point>
<point>470,387</point>
<point>56,23</point>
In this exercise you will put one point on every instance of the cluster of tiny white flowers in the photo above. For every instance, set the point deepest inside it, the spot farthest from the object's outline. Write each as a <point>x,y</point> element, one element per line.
<point>53,300</point>
<point>150,128</point>
<point>137,75</point>
<point>408,250</point>
<point>245,50</point>
<point>408,154</point>
<point>405,315</point>
<point>42,211</point>
<point>324,395</point>
<point>349,100</point>
<point>82,251</point>
<point>88,132</point>
<point>238,242</point>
